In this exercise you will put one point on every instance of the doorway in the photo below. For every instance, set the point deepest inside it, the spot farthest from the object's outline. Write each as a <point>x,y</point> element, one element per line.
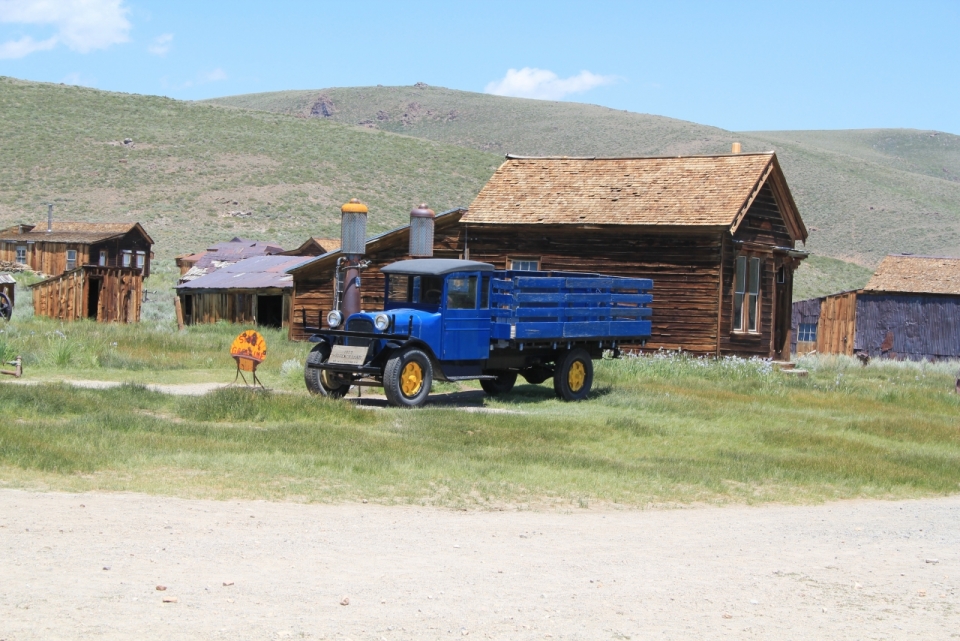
<point>270,311</point>
<point>93,298</point>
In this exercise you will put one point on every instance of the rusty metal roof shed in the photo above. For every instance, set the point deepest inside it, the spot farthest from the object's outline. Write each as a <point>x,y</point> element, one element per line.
<point>257,272</point>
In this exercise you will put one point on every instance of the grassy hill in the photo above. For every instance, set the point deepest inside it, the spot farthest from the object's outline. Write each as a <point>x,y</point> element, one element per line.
<point>863,194</point>
<point>190,165</point>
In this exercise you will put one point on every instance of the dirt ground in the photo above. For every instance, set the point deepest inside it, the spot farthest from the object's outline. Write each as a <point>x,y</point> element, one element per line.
<point>77,566</point>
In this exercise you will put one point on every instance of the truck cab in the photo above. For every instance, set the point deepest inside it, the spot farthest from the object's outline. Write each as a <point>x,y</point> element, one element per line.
<point>455,320</point>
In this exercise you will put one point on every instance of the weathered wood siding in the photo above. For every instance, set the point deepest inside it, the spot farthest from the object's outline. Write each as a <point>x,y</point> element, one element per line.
<point>910,326</point>
<point>68,296</point>
<point>51,257</point>
<point>804,312</point>
<point>684,268</point>
<point>837,325</point>
<point>232,306</point>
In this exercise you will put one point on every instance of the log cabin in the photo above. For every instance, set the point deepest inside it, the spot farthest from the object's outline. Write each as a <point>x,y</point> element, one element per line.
<point>717,234</point>
<point>910,309</point>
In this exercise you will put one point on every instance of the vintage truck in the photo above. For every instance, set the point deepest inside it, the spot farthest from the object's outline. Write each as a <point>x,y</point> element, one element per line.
<point>454,320</point>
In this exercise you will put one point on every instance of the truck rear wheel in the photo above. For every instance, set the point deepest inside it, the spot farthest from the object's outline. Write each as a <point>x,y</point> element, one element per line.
<point>321,381</point>
<point>574,376</point>
<point>407,378</point>
<point>502,384</point>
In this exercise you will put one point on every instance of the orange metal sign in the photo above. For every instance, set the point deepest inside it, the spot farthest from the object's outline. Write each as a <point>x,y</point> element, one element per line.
<point>249,349</point>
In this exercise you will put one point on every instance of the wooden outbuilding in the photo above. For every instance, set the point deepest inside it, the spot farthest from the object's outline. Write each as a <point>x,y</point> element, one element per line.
<point>910,309</point>
<point>254,290</point>
<point>314,281</point>
<point>717,234</point>
<point>103,294</point>
<point>59,247</point>
<point>194,266</point>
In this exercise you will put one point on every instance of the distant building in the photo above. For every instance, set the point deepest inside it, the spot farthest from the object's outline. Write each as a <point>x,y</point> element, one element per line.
<point>910,309</point>
<point>96,269</point>
<point>254,290</point>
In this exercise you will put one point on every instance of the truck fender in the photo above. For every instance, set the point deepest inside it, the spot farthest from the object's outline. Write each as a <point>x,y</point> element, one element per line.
<point>393,346</point>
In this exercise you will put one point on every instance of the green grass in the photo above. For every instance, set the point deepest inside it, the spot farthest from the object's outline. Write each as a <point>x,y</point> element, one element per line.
<point>862,194</point>
<point>658,431</point>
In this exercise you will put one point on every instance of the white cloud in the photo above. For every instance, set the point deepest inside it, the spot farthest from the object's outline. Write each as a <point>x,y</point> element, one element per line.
<point>542,84</point>
<point>161,44</point>
<point>215,75</point>
<point>81,25</point>
<point>76,78</point>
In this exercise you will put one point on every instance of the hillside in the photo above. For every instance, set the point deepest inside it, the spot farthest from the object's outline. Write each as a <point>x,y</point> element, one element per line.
<point>863,194</point>
<point>190,165</point>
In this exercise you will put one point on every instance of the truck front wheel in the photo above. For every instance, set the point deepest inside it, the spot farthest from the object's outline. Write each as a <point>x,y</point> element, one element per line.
<point>502,384</point>
<point>321,381</point>
<point>407,378</point>
<point>574,375</point>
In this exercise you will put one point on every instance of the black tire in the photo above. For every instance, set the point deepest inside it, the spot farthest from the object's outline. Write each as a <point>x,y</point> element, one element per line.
<point>319,381</point>
<point>407,378</point>
<point>502,384</point>
<point>6,307</point>
<point>574,376</point>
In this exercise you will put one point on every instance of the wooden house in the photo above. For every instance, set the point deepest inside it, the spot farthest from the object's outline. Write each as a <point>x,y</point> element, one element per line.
<point>910,309</point>
<point>314,281</point>
<point>104,294</point>
<point>255,290</point>
<point>58,247</point>
<point>717,234</point>
<point>314,246</point>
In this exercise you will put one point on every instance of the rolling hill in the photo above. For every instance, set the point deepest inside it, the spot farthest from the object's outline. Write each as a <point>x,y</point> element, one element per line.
<point>863,194</point>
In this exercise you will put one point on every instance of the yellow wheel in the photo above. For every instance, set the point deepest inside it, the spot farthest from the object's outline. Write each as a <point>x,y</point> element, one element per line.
<point>411,379</point>
<point>576,376</point>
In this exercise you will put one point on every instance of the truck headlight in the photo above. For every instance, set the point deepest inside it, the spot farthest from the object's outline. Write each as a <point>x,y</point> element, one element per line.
<point>381,322</point>
<point>334,318</point>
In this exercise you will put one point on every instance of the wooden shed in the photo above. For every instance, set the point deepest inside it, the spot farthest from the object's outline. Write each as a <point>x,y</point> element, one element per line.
<point>59,247</point>
<point>314,280</point>
<point>910,309</point>
<point>104,294</point>
<point>717,234</point>
<point>255,290</point>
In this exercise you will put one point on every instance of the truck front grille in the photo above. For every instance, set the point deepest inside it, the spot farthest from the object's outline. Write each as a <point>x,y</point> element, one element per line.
<point>359,325</point>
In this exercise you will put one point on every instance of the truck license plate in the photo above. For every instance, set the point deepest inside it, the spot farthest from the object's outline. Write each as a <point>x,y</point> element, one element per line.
<point>347,355</point>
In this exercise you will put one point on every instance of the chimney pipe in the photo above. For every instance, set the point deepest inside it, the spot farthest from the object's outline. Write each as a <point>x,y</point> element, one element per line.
<point>421,231</point>
<point>353,244</point>
<point>49,217</point>
<point>735,148</point>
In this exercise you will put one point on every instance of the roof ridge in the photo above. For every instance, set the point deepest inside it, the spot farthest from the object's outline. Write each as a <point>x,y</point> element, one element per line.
<point>726,155</point>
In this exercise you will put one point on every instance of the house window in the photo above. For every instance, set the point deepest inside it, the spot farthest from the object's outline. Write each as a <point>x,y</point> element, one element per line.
<point>71,259</point>
<point>22,254</point>
<point>746,295</point>
<point>525,264</point>
<point>103,258</point>
<point>141,258</point>
<point>807,332</point>
<point>127,257</point>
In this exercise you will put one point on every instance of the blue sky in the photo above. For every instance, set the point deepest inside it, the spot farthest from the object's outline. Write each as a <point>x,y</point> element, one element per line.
<point>737,65</point>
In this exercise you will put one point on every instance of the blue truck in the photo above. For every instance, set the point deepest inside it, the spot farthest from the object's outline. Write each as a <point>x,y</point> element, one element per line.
<point>455,320</point>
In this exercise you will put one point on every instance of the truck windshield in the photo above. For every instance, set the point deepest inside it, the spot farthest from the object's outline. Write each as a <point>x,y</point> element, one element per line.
<point>403,288</point>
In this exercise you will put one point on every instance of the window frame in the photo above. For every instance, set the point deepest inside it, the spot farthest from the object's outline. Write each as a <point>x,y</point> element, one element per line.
<point>71,262</point>
<point>535,260</point>
<point>126,258</point>
<point>102,261</point>
<point>747,294</point>
<point>805,334</point>
<point>16,253</point>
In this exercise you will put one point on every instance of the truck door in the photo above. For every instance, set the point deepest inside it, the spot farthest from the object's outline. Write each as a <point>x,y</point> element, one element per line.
<point>466,318</point>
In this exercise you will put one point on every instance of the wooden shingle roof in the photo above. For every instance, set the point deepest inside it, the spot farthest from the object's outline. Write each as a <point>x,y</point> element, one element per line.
<point>916,275</point>
<point>681,191</point>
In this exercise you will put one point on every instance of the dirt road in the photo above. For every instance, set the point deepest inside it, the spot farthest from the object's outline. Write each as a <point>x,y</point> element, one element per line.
<point>87,566</point>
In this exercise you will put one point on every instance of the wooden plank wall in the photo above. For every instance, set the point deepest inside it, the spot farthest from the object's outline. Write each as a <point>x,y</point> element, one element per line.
<point>232,306</point>
<point>48,258</point>
<point>66,297</point>
<point>837,325</point>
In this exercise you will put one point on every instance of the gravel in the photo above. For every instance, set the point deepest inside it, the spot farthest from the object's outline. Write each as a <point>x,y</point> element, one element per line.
<point>260,570</point>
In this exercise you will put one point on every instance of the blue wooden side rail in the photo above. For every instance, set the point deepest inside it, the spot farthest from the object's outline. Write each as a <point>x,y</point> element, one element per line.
<point>545,307</point>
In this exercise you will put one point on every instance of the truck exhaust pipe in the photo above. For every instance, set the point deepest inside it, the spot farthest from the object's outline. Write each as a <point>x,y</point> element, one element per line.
<point>421,231</point>
<point>353,245</point>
